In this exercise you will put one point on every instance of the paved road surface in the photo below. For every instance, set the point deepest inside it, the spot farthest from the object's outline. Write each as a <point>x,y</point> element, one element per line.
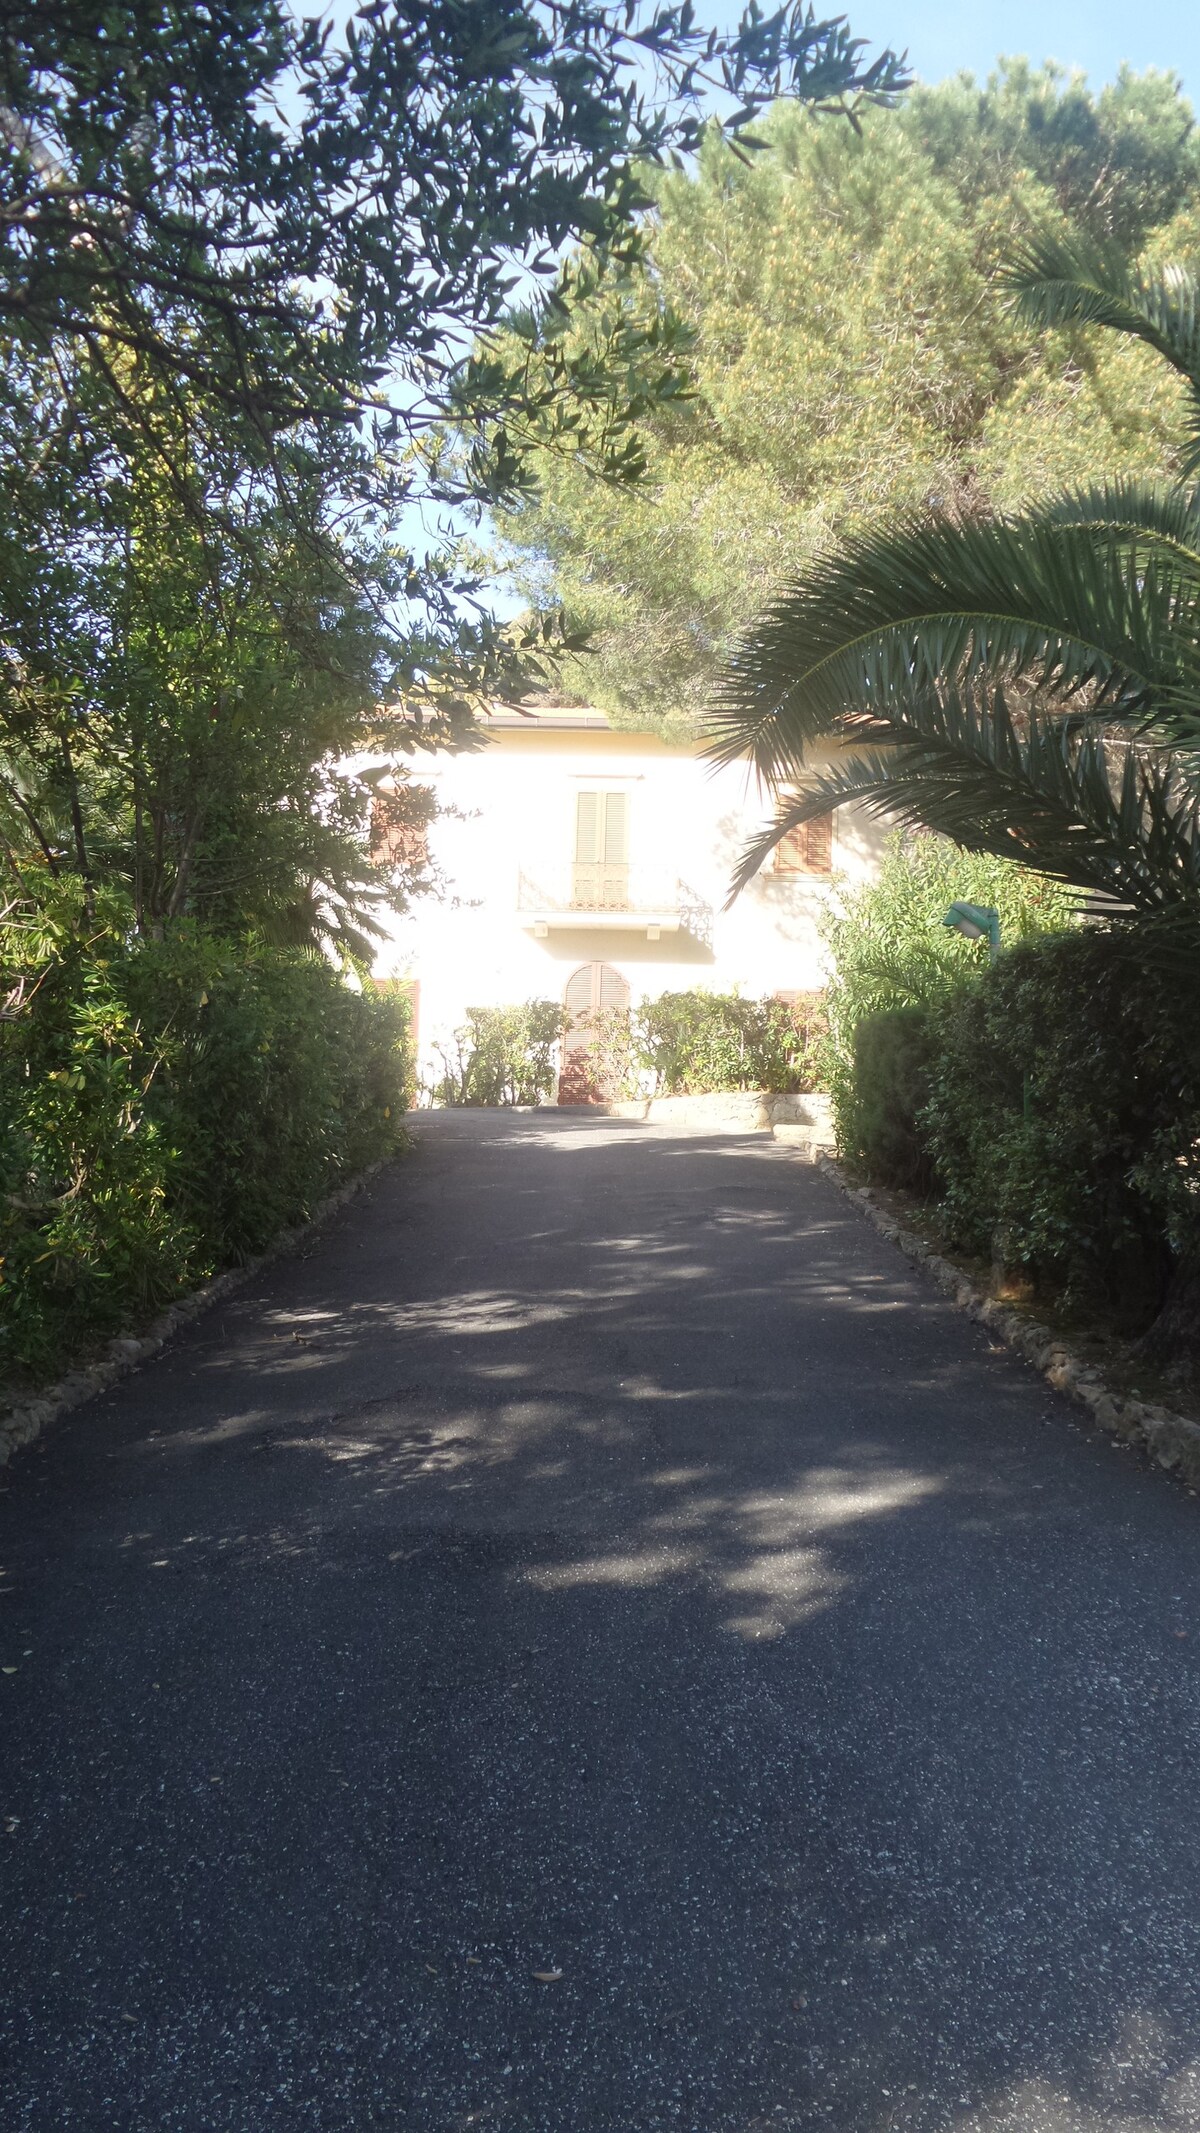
<point>600,1555</point>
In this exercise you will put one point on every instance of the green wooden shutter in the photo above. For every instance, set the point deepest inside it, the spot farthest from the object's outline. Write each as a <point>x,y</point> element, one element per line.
<point>616,829</point>
<point>587,828</point>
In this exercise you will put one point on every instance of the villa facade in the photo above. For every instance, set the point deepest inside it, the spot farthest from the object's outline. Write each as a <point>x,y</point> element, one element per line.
<point>590,865</point>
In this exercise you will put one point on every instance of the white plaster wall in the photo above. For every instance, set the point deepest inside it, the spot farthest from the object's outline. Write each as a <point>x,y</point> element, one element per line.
<point>510,809</point>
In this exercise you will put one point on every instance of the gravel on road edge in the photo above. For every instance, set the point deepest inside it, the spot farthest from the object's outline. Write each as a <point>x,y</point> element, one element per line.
<point>1171,1439</point>
<point>21,1423</point>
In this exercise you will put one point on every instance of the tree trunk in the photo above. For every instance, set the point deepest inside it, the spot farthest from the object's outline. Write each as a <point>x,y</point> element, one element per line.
<point>81,850</point>
<point>1172,1341</point>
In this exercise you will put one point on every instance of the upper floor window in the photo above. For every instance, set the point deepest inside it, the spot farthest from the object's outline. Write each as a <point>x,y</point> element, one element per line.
<point>400,817</point>
<point>808,849</point>
<point>601,873</point>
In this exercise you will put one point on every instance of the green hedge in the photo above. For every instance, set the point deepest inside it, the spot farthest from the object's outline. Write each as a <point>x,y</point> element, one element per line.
<point>694,1043</point>
<point>1063,1117</point>
<point>1051,1106</point>
<point>889,949</point>
<point>165,1109</point>
<point>882,1109</point>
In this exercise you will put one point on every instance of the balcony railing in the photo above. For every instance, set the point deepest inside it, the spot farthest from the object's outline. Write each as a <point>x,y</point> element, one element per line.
<point>624,899</point>
<point>596,887</point>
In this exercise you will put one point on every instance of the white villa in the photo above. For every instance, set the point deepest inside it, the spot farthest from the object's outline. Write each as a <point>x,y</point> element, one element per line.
<point>591,865</point>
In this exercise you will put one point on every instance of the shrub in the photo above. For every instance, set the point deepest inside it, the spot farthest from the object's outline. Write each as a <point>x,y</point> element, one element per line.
<point>603,1064</point>
<point>1064,1118</point>
<point>889,949</point>
<point>166,1108</point>
<point>697,1043</point>
<point>888,1090</point>
<point>501,1055</point>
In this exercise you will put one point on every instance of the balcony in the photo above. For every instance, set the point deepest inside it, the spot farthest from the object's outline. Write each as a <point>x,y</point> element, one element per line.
<point>614,899</point>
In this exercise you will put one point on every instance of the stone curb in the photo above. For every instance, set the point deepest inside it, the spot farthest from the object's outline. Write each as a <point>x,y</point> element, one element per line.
<point>1170,1439</point>
<point>20,1425</point>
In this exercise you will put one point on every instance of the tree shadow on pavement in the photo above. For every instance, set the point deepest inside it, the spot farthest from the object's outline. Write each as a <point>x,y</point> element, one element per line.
<point>600,1556</point>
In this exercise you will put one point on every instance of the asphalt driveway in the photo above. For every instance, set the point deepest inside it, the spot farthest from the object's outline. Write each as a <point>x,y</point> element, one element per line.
<point>596,1646</point>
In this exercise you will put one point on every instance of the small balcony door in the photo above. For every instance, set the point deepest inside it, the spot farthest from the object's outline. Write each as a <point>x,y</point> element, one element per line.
<point>601,874</point>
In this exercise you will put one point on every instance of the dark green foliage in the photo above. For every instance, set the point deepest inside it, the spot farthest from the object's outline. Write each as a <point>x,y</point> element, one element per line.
<point>164,1110</point>
<point>501,1055</point>
<point>1064,1117</point>
<point>880,1119</point>
<point>228,233</point>
<point>284,1083</point>
<point>1117,163</point>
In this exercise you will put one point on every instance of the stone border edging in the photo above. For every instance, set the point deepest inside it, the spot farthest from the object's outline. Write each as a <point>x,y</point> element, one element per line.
<point>21,1424</point>
<point>1170,1439</point>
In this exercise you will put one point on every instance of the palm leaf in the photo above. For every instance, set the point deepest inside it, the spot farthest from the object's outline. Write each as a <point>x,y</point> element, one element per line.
<point>1147,514</point>
<point>1115,820</point>
<point>1059,281</point>
<point>1098,615</point>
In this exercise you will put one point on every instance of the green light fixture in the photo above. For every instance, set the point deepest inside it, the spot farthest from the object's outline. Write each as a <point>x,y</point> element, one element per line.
<point>976,922</point>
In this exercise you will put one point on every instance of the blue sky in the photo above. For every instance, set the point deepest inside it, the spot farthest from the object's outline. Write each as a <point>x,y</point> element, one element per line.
<point>1096,35</point>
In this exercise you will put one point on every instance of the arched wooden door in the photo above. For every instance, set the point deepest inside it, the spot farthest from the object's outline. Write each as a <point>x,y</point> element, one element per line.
<point>591,990</point>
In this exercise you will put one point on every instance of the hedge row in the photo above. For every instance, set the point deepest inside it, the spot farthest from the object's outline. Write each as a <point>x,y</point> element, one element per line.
<point>165,1109</point>
<point>680,1044</point>
<point>1052,1107</point>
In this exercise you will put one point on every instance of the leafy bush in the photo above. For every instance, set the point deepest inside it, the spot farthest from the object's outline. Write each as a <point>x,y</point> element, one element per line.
<point>1064,1118</point>
<point>166,1108</point>
<point>888,947</point>
<point>501,1055</point>
<point>697,1043</point>
<point>882,1107</point>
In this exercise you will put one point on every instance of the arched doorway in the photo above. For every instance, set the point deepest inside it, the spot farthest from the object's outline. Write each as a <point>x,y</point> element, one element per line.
<point>593,989</point>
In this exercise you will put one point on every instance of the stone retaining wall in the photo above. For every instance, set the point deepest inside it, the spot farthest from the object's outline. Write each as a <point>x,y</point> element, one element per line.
<point>729,1111</point>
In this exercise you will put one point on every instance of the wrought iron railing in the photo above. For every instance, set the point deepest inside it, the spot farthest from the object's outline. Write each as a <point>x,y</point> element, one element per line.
<point>624,890</point>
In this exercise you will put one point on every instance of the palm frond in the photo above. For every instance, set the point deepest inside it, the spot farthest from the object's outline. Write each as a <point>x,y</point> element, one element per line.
<point>1144,513</point>
<point>1089,613</point>
<point>1060,281</point>
<point>1114,819</point>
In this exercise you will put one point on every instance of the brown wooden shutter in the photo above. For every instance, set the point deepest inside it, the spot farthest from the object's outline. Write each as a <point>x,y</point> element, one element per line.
<point>612,989</point>
<point>578,997</point>
<point>807,849</point>
<point>819,844</point>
